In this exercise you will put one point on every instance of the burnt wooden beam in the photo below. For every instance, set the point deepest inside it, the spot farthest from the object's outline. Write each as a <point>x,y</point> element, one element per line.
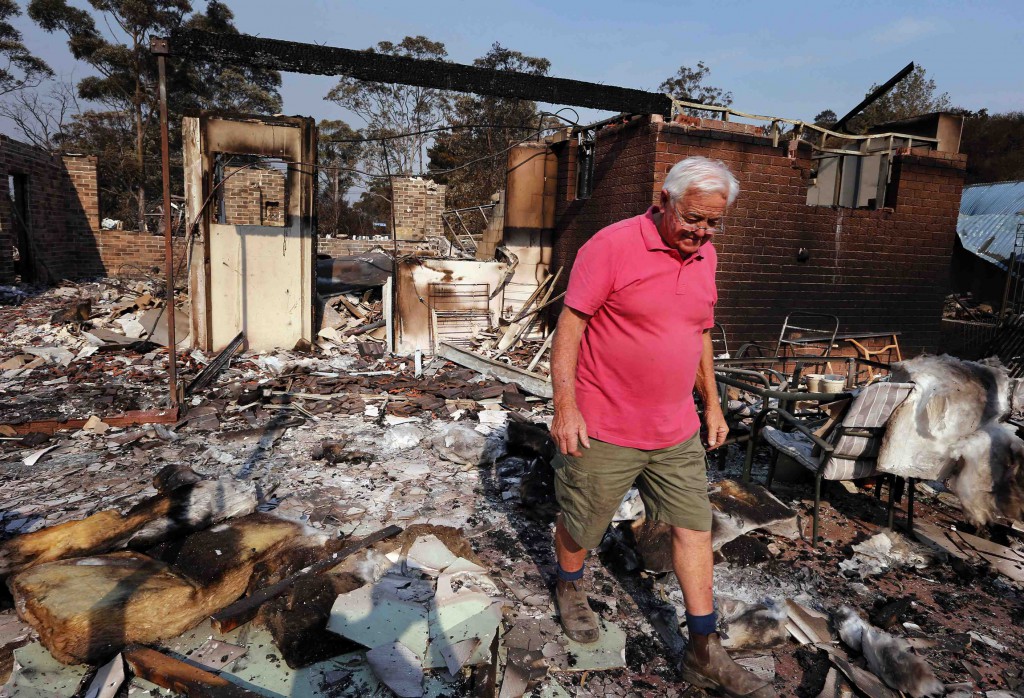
<point>244,610</point>
<point>293,57</point>
<point>127,419</point>
<point>181,677</point>
<point>876,94</point>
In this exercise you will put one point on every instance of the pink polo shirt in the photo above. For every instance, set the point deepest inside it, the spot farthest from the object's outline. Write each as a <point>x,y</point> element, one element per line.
<point>640,350</point>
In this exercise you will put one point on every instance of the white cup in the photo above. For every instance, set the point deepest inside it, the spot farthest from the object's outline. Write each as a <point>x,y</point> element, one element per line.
<point>814,382</point>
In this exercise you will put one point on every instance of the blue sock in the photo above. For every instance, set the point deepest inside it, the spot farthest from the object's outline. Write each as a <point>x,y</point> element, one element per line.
<point>702,625</point>
<point>570,576</point>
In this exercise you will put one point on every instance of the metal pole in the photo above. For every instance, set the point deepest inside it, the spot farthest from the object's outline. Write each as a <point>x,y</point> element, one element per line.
<point>160,47</point>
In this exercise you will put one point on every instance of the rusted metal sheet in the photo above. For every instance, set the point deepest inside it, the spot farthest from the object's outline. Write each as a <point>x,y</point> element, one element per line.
<point>530,187</point>
<point>127,419</point>
<point>444,300</point>
<point>529,219</point>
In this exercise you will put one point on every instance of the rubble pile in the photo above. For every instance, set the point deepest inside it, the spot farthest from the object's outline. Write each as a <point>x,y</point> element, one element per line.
<point>86,348</point>
<point>347,315</point>
<point>333,520</point>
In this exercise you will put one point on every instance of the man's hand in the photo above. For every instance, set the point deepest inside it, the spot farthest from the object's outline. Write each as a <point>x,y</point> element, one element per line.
<point>569,430</point>
<point>718,430</point>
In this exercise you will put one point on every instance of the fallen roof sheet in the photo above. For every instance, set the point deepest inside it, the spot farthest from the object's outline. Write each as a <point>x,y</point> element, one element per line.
<point>988,220</point>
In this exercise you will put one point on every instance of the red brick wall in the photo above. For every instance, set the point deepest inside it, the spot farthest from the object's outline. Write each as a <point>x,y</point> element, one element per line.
<point>254,196</point>
<point>83,197</point>
<point>876,270</point>
<point>622,187</point>
<point>134,254</point>
<point>418,205</point>
<point>341,247</point>
<point>62,211</point>
<point>64,219</point>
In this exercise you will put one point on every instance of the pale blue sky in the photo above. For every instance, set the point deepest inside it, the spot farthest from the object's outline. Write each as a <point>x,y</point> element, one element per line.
<point>783,59</point>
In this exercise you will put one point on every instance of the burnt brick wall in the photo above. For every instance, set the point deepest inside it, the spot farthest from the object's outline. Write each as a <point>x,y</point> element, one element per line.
<point>622,187</point>
<point>138,255</point>
<point>83,197</point>
<point>886,269</point>
<point>62,207</point>
<point>418,205</point>
<point>341,247</point>
<point>254,196</point>
<point>64,220</point>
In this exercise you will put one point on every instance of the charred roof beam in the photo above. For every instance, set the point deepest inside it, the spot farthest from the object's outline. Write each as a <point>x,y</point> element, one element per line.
<point>311,59</point>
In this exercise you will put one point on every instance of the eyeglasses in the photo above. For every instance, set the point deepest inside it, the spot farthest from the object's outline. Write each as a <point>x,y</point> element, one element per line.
<point>693,227</point>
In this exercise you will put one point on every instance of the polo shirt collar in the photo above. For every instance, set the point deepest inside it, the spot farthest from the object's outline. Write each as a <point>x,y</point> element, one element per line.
<point>649,229</point>
<point>652,238</point>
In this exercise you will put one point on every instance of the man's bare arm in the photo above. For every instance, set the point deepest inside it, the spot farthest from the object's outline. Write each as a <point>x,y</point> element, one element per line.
<point>718,430</point>
<point>568,428</point>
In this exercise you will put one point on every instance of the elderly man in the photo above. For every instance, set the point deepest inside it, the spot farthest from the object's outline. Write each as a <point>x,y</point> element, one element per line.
<point>632,343</point>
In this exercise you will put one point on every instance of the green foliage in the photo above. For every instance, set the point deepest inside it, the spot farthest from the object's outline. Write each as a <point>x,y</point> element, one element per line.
<point>390,109</point>
<point>110,136</point>
<point>485,129</point>
<point>215,85</point>
<point>22,69</point>
<point>913,95</point>
<point>688,85</point>
<point>339,150</point>
<point>826,118</point>
<point>994,145</point>
<point>125,83</point>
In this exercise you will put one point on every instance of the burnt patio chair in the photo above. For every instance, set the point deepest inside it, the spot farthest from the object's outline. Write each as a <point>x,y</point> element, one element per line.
<point>807,334</point>
<point>720,341</point>
<point>844,448</point>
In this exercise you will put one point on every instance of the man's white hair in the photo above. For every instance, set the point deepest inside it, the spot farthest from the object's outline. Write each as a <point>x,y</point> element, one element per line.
<point>703,175</point>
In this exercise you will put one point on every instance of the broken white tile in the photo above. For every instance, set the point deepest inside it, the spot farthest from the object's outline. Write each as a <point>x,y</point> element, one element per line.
<point>37,674</point>
<point>216,654</point>
<point>351,675</point>
<point>761,666</point>
<point>428,554</point>
<point>461,629</point>
<point>609,652</point>
<point>12,629</point>
<point>492,417</point>
<point>457,654</point>
<point>986,640</point>
<point>108,679</point>
<point>463,565</point>
<point>399,668</point>
<point>53,355</point>
<point>140,688</point>
<point>131,327</point>
<point>33,458</point>
<point>86,351</point>
<point>392,610</point>
<point>451,584</point>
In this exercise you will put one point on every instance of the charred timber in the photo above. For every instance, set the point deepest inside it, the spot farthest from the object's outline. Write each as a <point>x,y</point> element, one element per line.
<point>289,56</point>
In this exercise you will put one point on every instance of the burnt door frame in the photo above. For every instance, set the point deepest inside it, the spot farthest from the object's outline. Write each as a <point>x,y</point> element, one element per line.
<point>17,189</point>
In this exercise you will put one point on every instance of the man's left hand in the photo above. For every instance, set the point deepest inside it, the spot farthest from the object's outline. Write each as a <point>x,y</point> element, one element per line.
<point>718,430</point>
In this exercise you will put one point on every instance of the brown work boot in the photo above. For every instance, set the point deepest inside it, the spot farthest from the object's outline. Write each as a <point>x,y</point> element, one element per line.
<point>707,665</point>
<point>578,621</point>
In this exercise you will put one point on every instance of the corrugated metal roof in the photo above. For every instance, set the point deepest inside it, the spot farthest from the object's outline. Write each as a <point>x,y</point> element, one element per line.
<point>988,220</point>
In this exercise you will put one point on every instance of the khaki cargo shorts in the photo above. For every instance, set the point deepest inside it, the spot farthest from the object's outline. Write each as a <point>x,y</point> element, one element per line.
<point>673,485</point>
